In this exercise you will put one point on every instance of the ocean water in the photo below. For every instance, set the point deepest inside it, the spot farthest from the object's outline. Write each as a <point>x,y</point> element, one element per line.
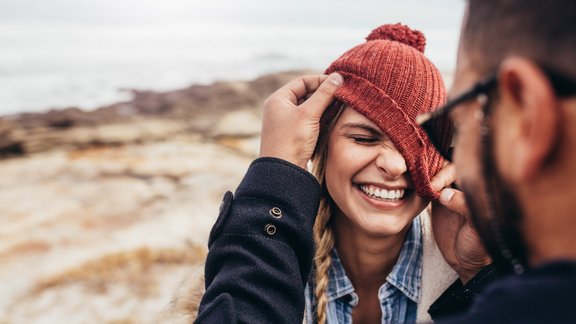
<point>63,53</point>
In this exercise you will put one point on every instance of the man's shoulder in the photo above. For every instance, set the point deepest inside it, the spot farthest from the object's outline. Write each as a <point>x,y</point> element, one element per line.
<point>544,283</point>
<point>544,294</point>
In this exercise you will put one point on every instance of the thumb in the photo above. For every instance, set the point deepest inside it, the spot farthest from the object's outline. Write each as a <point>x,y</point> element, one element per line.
<point>321,99</point>
<point>454,200</point>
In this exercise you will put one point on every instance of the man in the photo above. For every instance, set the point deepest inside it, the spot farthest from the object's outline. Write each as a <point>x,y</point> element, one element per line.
<point>514,155</point>
<point>514,161</point>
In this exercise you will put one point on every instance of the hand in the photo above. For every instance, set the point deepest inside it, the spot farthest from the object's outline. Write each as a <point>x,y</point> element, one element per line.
<point>453,230</point>
<point>290,125</point>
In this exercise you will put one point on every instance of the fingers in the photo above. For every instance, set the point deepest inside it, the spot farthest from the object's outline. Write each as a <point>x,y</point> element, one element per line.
<point>444,178</point>
<point>300,88</point>
<point>454,200</point>
<point>320,89</point>
<point>290,131</point>
<point>321,99</point>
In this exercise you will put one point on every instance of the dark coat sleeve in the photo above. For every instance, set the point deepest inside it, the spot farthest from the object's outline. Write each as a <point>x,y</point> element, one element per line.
<point>261,247</point>
<point>458,298</point>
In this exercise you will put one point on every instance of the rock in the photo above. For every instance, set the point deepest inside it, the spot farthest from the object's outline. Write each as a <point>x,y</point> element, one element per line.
<point>85,231</point>
<point>220,109</point>
<point>243,123</point>
<point>247,146</point>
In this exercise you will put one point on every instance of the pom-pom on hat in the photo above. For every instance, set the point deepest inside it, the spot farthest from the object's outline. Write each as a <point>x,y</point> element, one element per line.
<point>390,81</point>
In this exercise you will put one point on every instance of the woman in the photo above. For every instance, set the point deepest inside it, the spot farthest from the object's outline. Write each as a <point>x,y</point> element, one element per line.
<point>376,260</point>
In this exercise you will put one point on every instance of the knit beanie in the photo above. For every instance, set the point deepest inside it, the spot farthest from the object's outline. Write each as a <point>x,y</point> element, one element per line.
<point>390,81</point>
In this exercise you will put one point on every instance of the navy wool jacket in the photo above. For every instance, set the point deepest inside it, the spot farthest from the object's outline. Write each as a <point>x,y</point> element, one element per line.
<point>261,247</point>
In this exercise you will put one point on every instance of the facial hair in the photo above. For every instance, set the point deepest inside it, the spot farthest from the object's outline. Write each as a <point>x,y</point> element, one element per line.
<point>500,232</point>
<point>497,215</point>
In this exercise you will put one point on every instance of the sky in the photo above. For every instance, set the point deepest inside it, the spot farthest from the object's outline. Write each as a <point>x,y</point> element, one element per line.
<point>83,52</point>
<point>307,12</point>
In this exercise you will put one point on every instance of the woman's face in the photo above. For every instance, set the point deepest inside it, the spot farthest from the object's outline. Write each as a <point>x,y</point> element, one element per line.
<point>368,179</point>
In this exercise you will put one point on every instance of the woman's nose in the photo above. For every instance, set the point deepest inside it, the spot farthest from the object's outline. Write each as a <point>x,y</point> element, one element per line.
<point>391,162</point>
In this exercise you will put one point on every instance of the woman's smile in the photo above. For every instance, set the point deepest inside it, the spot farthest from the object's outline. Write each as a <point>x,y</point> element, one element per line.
<point>382,193</point>
<point>383,198</point>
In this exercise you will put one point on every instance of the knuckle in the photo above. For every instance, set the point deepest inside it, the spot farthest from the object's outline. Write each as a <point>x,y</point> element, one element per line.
<point>326,90</point>
<point>271,101</point>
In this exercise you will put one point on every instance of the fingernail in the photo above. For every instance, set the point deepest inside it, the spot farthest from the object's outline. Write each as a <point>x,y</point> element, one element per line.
<point>446,195</point>
<point>435,185</point>
<point>336,79</point>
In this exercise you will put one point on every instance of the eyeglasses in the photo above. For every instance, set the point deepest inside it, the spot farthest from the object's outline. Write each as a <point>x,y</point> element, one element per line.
<point>434,123</point>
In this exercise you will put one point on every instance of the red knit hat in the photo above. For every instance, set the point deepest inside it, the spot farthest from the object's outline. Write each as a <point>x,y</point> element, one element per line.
<point>390,81</point>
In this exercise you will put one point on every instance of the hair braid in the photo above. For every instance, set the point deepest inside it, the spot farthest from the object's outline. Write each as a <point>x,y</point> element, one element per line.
<point>324,238</point>
<point>323,233</point>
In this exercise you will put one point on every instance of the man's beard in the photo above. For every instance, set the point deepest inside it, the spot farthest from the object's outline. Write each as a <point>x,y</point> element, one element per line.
<point>497,216</point>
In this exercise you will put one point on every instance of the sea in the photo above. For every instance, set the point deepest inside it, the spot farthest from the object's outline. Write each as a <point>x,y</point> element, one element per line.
<point>84,53</point>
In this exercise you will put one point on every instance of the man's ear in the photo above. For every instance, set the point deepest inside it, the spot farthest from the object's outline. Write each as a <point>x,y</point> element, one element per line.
<point>531,115</point>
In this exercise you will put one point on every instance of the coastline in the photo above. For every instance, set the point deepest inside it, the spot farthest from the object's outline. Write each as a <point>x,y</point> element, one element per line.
<point>148,116</point>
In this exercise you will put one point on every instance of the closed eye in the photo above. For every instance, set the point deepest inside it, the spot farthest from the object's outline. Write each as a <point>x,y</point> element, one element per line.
<point>363,139</point>
<point>363,134</point>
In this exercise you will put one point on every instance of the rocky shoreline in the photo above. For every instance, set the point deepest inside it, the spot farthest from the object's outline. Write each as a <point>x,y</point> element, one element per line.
<point>105,213</point>
<point>149,116</point>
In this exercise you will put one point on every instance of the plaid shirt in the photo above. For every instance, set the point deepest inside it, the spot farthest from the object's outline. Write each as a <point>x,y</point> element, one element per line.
<point>398,295</point>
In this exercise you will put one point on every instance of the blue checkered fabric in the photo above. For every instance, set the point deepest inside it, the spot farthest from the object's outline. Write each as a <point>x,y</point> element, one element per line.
<point>398,295</point>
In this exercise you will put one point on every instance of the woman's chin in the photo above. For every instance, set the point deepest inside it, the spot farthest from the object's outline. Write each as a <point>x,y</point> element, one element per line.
<point>382,228</point>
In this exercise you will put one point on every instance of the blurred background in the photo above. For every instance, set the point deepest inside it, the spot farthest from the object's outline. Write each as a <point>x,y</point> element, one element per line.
<point>122,124</point>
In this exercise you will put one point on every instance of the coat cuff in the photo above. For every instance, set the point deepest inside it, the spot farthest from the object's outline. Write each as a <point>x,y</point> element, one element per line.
<point>458,298</point>
<point>287,184</point>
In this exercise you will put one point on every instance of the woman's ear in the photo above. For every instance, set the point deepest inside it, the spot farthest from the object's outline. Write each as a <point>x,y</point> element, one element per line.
<point>526,118</point>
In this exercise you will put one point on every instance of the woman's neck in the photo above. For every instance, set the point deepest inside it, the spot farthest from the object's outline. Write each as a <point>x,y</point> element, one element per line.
<point>367,259</point>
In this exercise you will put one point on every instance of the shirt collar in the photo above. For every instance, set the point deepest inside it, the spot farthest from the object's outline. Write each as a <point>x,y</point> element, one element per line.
<point>338,283</point>
<point>408,269</point>
<point>405,275</point>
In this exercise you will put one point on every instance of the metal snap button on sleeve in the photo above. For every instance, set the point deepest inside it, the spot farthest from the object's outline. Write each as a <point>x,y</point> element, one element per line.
<point>276,212</point>
<point>270,229</point>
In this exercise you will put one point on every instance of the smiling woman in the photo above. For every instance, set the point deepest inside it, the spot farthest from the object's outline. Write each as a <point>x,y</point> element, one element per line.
<point>374,246</point>
<point>380,198</point>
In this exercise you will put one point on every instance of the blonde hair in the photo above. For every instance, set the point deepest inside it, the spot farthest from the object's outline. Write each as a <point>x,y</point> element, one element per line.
<point>323,232</point>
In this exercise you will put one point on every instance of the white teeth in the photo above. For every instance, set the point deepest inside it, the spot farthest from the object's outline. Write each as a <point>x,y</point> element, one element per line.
<point>382,193</point>
<point>385,194</point>
<point>392,194</point>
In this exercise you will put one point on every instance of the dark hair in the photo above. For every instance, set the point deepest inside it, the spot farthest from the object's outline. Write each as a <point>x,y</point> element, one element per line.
<point>542,30</point>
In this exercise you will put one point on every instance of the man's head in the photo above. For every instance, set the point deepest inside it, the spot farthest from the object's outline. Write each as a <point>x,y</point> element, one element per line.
<point>541,30</point>
<point>514,154</point>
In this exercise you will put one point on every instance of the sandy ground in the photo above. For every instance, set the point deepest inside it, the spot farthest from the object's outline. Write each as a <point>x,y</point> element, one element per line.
<point>106,235</point>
